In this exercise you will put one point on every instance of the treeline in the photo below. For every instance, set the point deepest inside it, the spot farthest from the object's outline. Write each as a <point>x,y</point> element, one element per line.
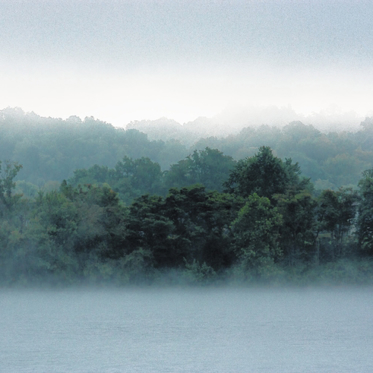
<point>257,219</point>
<point>331,159</point>
<point>131,178</point>
<point>51,149</point>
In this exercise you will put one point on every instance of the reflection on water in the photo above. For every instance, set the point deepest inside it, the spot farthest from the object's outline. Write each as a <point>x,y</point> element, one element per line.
<point>187,330</point>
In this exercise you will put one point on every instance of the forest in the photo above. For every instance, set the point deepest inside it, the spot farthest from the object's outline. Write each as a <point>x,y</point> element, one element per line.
<point>84,202</point>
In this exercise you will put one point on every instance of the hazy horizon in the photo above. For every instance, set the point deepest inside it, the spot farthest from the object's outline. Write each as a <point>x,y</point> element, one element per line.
<point>121,61</point>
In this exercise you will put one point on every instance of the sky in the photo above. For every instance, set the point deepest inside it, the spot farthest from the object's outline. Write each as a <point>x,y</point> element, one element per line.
<point>127,60</point>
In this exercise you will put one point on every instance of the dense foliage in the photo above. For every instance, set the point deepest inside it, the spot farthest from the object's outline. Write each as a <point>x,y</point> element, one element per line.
<point>120,225</point>
<point>50,150</point>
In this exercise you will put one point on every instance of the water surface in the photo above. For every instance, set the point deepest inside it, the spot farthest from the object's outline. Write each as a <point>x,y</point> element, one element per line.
<point>187,330</point>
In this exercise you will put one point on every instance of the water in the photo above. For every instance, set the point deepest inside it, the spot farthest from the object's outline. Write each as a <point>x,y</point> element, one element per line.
<point>176,330</point>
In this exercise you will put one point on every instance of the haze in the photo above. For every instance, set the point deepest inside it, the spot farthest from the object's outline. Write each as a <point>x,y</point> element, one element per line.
<point>130,60</point>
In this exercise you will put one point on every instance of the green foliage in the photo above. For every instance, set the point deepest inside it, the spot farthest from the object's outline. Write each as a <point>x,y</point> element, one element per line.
<point>298,230</point>
<point>130,178</point>
<point>208,167</point>
<point>265,175</point>
<point>7,185</point>
<point>188,224</point>
<point>256,233</point>
<point>26,188</point>
<point>58,234</point>
<point>340,272</point>
<point>120,225</point>
<point>336,216</point>
<point>344,169</point>
<point>197,273</point>
<point>365,217</point>
<point>132,269</point>
<point>149,229</point>
<point>133,178</point>
<point>51,149</point>
<point>201,221</point>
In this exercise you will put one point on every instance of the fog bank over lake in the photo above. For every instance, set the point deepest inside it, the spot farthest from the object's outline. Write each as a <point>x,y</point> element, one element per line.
<point>187,330</point>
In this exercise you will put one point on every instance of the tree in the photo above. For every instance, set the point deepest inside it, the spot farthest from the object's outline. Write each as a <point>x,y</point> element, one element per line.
<point>188,225</point>
<point>7,184</point>
<point>70,229</point>
<point>256,235</point>
<point>343,169</point>
<point>365,216</point>
<point>298,229</point>
<point>209,167</point>
<point>336,216</point>
<point>202,224</point>
<point>265,175</point>
<point>101,227</point>
<point>134,178</point>
<point>148,229</point>
<point>130,178</point>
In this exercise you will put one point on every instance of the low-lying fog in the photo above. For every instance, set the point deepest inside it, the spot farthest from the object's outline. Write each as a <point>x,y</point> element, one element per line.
<point>187,330</point>
<point>132,60</point>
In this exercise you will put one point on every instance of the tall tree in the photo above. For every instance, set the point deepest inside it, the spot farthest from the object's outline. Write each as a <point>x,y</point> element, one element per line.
<point>298,229</point>
<point>365,217</point>
<point>265,175</point>
<point>189,224</point>
<point>209,167</point>
<point>7,184</point>
<point>256,235</point>
<point>336,216</point>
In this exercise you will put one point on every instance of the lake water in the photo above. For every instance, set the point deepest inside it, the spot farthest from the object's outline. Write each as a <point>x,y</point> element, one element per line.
<point>187,330</point>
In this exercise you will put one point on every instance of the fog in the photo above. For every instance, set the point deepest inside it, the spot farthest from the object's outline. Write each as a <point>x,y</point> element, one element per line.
<point>122,61</point>
<point>233,119</point>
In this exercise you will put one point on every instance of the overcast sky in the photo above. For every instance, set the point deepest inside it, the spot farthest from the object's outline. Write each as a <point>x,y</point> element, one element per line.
<point>125,60</point>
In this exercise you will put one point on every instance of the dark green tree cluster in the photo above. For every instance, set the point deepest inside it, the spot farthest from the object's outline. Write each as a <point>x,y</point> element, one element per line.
<point>265,224</point>
<point>132,178</point>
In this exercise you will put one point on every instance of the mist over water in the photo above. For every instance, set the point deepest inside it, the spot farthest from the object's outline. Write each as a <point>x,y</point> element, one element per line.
<point>187,330</point>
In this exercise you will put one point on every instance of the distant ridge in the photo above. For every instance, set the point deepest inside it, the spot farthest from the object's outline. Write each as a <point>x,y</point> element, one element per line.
<point>232,121</point>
